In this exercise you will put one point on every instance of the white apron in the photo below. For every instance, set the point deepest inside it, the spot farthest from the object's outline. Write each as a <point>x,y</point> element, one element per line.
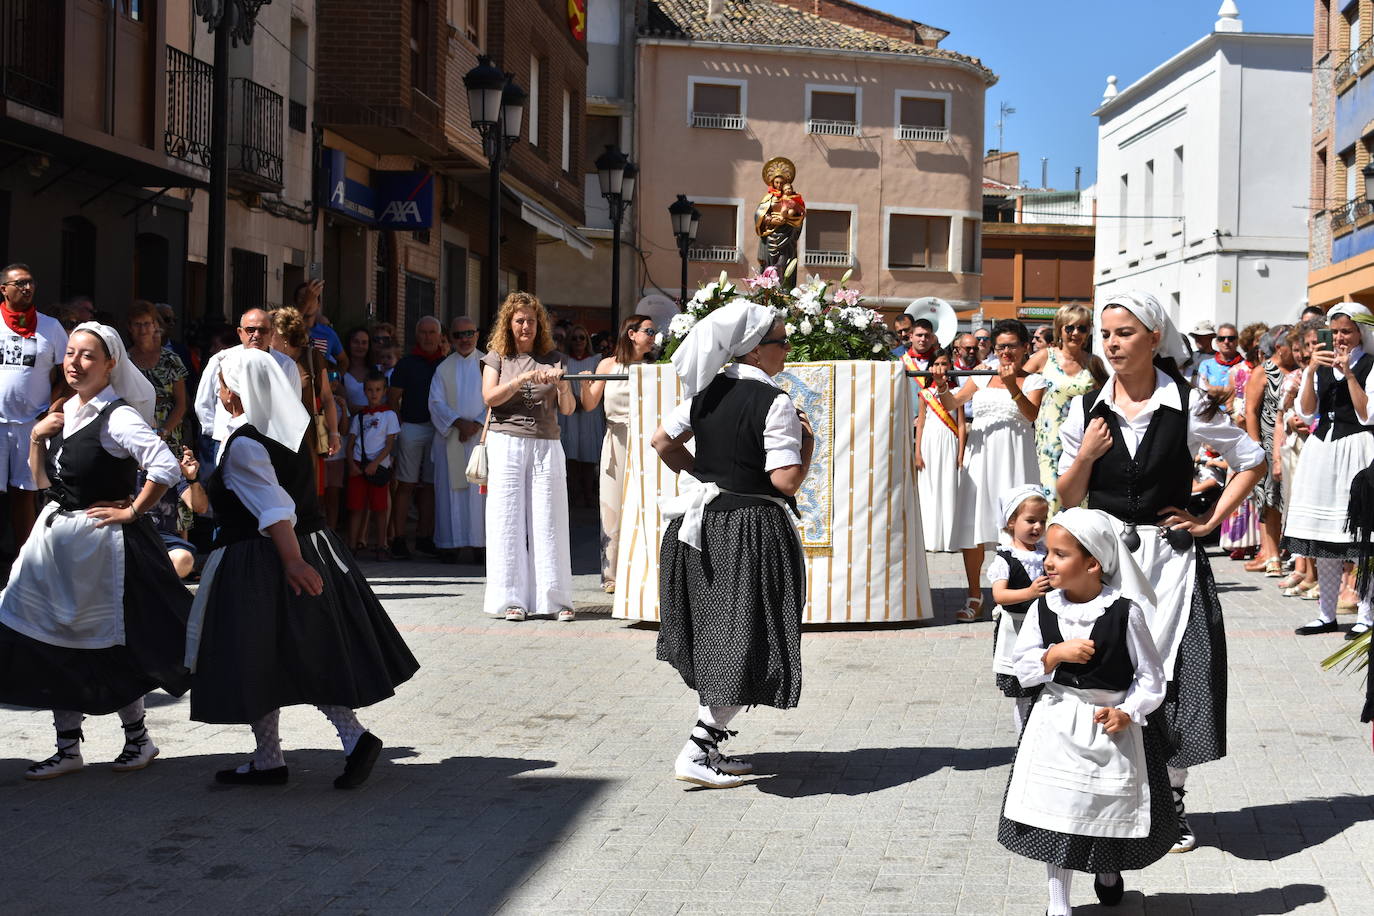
<point>1173,575</point>
<point>1070,776</point>
<point>1008,625</point>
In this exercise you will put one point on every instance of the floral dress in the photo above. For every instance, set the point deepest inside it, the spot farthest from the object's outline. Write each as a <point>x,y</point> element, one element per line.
<point>165,373</point>
<point>1060,389</point>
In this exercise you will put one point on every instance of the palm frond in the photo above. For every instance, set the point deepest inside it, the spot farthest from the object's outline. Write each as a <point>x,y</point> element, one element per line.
<point>1353,655</point>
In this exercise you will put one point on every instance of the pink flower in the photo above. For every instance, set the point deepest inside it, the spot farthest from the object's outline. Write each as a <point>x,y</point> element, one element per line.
<point>768,279</point>
<point>847,296</point>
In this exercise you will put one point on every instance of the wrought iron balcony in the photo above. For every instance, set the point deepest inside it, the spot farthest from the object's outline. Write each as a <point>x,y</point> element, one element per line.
<point>32,52</point>
<point>295,116</point>
<point>255,136</point>
<point>915,132</point>
<point>1350,67</point>
<point>187,135</point>
<point>1350,213</point>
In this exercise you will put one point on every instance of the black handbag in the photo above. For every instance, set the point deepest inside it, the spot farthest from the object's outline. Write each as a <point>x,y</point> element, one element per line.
<point>382,476</point>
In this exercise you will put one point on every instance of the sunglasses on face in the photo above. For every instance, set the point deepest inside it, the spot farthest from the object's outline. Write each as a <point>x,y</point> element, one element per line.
<point>967,349</point>
<point>648,330</point>
<point>251,332</point>
<point>779,341</point>
<point>463,335</point>
<point>982,340</point>
<point>21,284</point>
<point>1078,329</point>
<point>1226,337</point>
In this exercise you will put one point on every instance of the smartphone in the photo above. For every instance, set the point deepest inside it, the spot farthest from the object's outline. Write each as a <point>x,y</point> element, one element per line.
<point>1324,338</point>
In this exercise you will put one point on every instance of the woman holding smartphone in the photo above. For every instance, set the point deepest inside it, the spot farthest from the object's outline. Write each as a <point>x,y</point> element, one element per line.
<point>1335,398</point>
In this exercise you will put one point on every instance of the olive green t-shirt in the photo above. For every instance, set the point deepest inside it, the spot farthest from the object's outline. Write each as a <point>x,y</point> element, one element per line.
<point>532,412</point>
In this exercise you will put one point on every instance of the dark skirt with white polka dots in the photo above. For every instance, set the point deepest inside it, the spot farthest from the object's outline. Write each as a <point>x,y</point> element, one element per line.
<point>1321,550</point>
<point>1105,854</point>
<point>731,612</point>
<point>1194,708</point>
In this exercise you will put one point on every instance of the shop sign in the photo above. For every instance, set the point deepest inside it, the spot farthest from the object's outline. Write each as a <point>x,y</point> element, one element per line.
<point>394,200</point>
<point>343,194</point>
<point>1036,311</point>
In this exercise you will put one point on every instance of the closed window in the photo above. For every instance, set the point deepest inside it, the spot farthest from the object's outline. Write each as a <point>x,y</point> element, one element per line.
<point>532,102</point>
<point>716,233</point>
<point>999,273</point>
<point>971,261</point>
<point>567,131</point>
<point>922,118</point>
<point>834,112</point>
<point>249,279</point>
<point>827,238</point>
<point>918,242</point>
<point>421,47</point>
<point>717,105</point>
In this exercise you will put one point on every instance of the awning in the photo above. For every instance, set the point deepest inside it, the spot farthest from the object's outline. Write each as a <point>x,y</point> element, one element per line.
<point>547,222</point>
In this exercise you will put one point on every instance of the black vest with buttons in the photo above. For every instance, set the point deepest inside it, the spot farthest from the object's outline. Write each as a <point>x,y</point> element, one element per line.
<point>88,474</point>
<point>1017,578</point>
<point>1135,488</point>
<point>1111,667</point>
<point>295,474</point>
<point>1334,406</point>
<point>728,419</point>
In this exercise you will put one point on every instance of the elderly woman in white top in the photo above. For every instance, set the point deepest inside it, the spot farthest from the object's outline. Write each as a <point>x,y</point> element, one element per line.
<point>94,614</point>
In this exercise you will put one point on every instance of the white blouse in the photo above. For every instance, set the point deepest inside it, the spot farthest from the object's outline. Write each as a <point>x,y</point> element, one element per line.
<point>1033,561</point>
<point>1231,441</point>
<point>782,431</point>
<point>125,435</point>
<point>1076,621</point>
<point>1366,418</point>
<point>249,475</point>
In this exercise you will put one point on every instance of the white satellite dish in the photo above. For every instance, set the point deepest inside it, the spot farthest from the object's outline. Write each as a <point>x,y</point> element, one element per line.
<point>940,314</point>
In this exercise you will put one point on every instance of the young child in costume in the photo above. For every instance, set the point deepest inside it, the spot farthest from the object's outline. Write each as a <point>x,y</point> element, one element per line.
<point>1018,579</point>
<point>1089,788</point>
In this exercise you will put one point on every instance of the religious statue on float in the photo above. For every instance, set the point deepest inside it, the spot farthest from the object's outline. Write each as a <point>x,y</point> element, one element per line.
<point>779,216</point>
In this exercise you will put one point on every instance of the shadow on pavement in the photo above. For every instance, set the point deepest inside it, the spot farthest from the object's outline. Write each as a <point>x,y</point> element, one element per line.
<point>865,770</point>
<point>458,834</point>
<point>1267,833</point>
<point>1273,900</point>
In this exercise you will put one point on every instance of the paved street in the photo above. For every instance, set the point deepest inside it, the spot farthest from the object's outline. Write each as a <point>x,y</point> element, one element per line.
<point>528,769</point>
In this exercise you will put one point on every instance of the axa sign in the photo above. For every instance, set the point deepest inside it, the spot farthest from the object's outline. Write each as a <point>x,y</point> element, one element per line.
<point>405,200</point>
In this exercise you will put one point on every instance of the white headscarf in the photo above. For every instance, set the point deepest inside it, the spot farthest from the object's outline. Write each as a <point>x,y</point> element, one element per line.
<point>1358,314</point>
<point>727,333</point>
<point>1094,530</point>
<point>125,378</point>
<point>271,403</point>
<point>1012,499</point>
<point>1147,309</point>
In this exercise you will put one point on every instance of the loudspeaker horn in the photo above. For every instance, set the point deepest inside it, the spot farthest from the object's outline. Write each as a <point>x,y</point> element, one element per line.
<point>940,314</point>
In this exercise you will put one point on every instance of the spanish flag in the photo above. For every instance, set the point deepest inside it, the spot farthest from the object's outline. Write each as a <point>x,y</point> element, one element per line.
<point>577,19</point>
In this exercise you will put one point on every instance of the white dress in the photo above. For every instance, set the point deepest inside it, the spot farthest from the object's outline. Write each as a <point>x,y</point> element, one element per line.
<point>459,508</point>
<point>582,430</point>
<point>938,483</point>
<point>1000,455</point>
<point>1008,624</point>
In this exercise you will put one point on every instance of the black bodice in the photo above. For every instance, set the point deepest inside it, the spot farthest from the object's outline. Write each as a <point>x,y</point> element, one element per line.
<point>87,473</point>
<point>1134,488</point>
<point>295,474</point>
<point>1017,578</point>
<point>1337,411</point>
<point>728,420</point>
<point>1111,667</point>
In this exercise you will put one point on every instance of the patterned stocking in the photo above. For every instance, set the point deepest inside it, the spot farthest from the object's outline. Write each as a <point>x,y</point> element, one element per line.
<point>1060,881</point>
<point>1329,580</point>
<point>346,723</point>
<point>268,755</point>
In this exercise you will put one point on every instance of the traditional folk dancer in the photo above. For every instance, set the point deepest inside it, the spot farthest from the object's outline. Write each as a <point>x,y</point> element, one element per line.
<point>94,615</point>
<point>733,581</point>
<point>456,410</point>
<point>1089,789</point>
<point>283,616</point>
<point>939,436</point>
<point>1129,449</point>
<point>1336,391</point>
<point>1017,575</point>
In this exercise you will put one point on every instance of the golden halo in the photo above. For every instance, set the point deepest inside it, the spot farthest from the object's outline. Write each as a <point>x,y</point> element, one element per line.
<point>779,165</point>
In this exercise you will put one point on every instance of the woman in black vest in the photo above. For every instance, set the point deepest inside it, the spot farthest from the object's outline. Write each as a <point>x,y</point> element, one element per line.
<point>283,616</point>
<point>732,582</point>
<point>1333,391</point>
<point>94,615</point>
<point>1128,448</point>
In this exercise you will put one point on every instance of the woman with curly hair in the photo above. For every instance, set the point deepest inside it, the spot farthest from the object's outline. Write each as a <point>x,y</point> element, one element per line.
<point>293,339</point>
<point>529,567</point>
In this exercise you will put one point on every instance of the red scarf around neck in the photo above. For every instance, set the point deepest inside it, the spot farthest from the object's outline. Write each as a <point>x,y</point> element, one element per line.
<point>1223,362</point>
<point>25,324</point>
<point>431,358</point>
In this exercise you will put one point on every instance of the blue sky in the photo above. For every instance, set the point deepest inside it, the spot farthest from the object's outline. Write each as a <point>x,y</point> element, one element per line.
<point>1053,58</point>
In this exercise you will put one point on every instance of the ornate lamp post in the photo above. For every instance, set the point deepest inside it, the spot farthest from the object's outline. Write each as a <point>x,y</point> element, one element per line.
<point>685,218</point>
<point>232,21</point>
<point>618,176</point>
<point>496,106</point>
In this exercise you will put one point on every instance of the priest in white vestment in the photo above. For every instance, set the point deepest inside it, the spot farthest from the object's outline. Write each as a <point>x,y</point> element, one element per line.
<point>456,410</point>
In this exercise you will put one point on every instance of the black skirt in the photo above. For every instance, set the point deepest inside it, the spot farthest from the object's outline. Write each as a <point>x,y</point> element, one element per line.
<point>1194,708</point>
<point>263,647</point>
<point>1100,855</point>
<point>731,612</point>
<point>100,681</point>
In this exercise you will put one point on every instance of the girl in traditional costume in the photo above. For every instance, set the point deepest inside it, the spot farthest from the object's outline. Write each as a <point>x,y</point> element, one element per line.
<point>1017,574</point>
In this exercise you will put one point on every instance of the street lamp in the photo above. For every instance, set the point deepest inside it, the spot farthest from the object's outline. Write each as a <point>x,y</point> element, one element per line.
<point>685,220</point>
<point>618,176</point>
<point>496,107</point>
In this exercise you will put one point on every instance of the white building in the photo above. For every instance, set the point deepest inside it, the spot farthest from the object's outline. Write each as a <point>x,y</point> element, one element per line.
<point>1202,178</point>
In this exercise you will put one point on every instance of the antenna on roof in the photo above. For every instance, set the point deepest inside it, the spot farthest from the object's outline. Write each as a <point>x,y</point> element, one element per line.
<point>1003,111</point>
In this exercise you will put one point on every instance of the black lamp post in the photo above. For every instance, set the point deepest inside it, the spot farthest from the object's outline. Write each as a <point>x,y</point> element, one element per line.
<point>685,221</point>
<point>618,176</point>
<point>496,107</point>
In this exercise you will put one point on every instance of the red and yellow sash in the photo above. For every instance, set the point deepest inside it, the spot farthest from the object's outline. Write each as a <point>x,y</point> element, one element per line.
<point>932,399</point>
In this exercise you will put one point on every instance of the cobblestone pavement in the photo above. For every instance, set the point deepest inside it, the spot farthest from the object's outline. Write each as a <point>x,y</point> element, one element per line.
<point>528,769</point>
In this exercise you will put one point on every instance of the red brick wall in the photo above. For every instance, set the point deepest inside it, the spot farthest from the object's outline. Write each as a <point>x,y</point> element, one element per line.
<point>860,17</point>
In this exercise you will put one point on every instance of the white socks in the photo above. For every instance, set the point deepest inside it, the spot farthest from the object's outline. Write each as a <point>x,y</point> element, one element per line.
<point>1177,776</point>
<point>714,716</point>
<point>1060,881</point>
<point>268,755</point>
<point>346,723</point>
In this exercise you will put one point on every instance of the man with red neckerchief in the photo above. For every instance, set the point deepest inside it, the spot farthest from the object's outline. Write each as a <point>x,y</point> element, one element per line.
<point>921,350</point>
<point>32,346</point>
<point>1215,373</point>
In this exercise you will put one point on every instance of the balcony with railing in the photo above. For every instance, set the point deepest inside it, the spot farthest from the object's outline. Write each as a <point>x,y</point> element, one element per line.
<point>719,254</point>
<point>1349,214</point>
<point>255,136</point>
<point>295,116</point>
<point>918,132</point>
<point>32,52</point>
<point>829,128</point>
<point>1349,69</point>
<point>187,135</point>
<point>828,259</point>
<point>717,120</point>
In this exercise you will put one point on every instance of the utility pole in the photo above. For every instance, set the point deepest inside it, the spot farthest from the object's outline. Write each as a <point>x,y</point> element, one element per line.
<point>1003,111</point>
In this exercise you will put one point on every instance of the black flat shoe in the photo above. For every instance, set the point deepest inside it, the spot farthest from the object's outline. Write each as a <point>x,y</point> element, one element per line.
<point>359,764</point>
<point>1109,896</point>
<point>254,777</point>
<point>1356,631</point>
<point>1316,627</point>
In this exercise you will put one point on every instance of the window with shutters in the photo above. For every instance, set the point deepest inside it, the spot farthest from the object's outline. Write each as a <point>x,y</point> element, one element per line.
<point>717,233</point>
<point>832,110</point>
<point>922,116</point>
<point>716,103</point>
<point>917,242</point>
<point>971,259</point>
<point>1057,276</point>
<point>999,280</point>
<point>828,238</point>
<point>248,270</point>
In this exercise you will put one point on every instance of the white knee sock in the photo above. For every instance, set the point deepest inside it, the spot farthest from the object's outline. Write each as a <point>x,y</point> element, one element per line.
<point>67,720</point>
<point>346,723</point>
<point>131,717</point>
<point>1060,881</point>
<point>717,716</point>
<point>1366,613</point>
<point>268,754</point>
<point>1329,579</point>
<point>1177,776</point>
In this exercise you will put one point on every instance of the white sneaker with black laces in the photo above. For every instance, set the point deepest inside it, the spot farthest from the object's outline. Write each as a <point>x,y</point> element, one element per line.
<point>701,766</point>
<point>139,749</point>
<point>66,760</point>
<point>735,766</point>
